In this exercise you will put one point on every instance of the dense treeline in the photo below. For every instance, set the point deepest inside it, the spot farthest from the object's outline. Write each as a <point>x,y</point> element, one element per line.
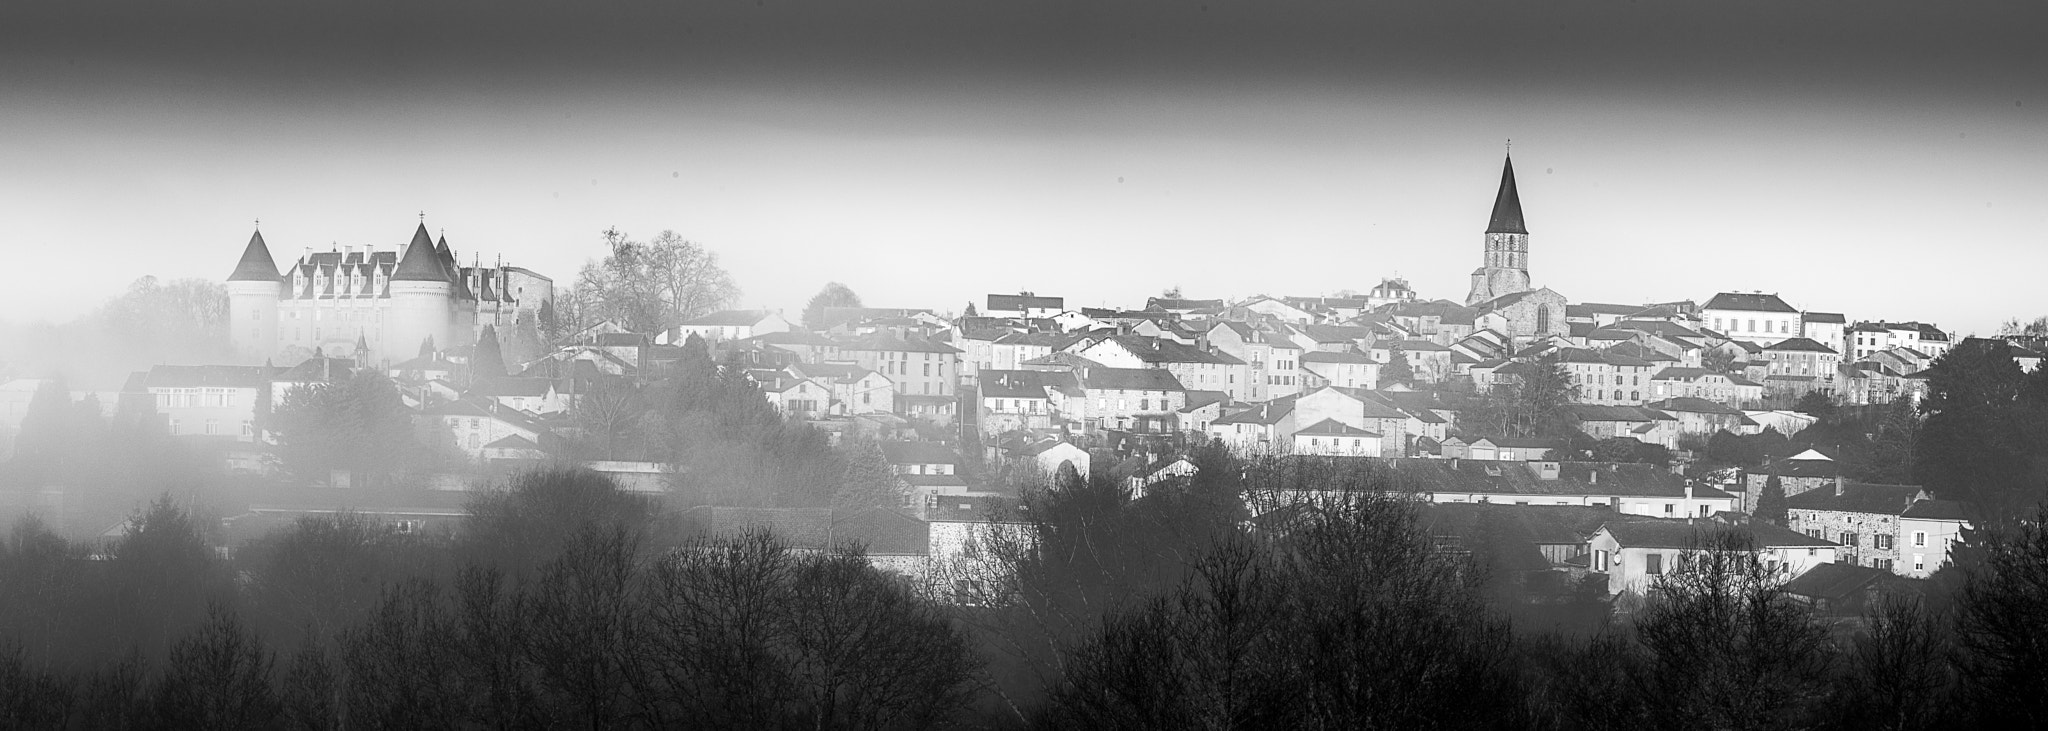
<point>561,601</point>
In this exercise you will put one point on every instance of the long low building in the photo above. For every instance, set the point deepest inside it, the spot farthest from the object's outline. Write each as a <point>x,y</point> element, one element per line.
<point>1625,488</point>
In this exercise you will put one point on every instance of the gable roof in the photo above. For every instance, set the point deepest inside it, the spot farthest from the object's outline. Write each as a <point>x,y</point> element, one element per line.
<point>1857,497</point>
<point>1130,379</point>
<point>1837,581</point>
<point>919,453</point>
<point>256,264</point>
<point>1931,509</point>
<point>1824,317</point>
<point>1693,405</point>
<point>1802,345</point>
<point>729,318</point>
<point>1333,427</point>
<point>1750,302</point>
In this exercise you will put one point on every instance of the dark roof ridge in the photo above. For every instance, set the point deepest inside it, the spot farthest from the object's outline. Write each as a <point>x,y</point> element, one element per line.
<point>256,264</point>
<point>1507,204</point>
<point>421,262</point>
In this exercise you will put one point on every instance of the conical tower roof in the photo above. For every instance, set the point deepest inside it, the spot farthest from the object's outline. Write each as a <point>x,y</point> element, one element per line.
<point>256,264</point>
<point>447,256</point>
<point>1507,204</point>
<point>420,263</point>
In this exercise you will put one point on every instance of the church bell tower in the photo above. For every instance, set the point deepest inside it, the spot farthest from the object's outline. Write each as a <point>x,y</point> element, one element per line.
<point>1506,269</point>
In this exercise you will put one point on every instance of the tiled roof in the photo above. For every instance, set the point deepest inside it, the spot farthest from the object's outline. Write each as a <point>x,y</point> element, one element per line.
<point>889,342</point>
<point>1683,534</point>
<point>1199,399</point>
<point>1803,345</point>
<point>1525,478</point>
<point>1835,318</point>
<point>1598,412</point>
<point>1020,302</point>
<point>1693,405</point>
<point>1837,581</point>
<point>1130,379</point>
<point>729,318</point>
<point>1014,384</point>
<point>184,376</point>
<point>1161,350</point>
<point>1749,302</point>
<point>1333,427</point>
<point>1327,357</point>
<point>1931,509</point>
<point>1856,497</point>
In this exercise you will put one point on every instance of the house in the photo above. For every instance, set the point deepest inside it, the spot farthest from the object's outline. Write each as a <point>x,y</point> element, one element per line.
<point>1272,360</point>
<point>1278,309</point>
<point>1145,400</point>
<point>1348,369</point>
<point>1628,488</point>
<point>924,371</point>
<point>1256,429</point>
<point>853,389</point>
<point>536,396</point>
<point>1865,338</point>
<point>795,396</point>
<point>1645,425</point>
<point>1848,590</point>
<point>1436,320</point>
<point>1698,416</point>
<point>1863,517</point>
<point>479,428</point>
<point>921,458</point>
<point>1827,328</point>
<point>1202,408</point>
<point>206,401</point>
<point>1633,554</point>
<point>1928,530</point>
<point>1798,356</point>
<point>309,372</point>
<point>731,325</point>
<point>1140,480</point>
<point>1763,319</point>
<point>1013,400</point>
<point>1784,422</point>
<point>1180,306</point>
<point>1356,408</point>
<point>1430,362</point>
<point>803,346</point>
<point>1808,470</point>
<point>1332,438</point>
<point>1024,304</point>
<point>1390,291</point>
<point>1605,378</point>
<point>1195,368</point>
<point>1721,388</point>
<point>1502,449</point>
<point>1047,456</point>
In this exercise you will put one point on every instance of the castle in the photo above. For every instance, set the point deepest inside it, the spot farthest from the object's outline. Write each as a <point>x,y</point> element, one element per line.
<point>381,306</point>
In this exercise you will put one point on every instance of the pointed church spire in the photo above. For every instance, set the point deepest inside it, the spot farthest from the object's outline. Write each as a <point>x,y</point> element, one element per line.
<point>1507,204</point>
<point>256,264</point>
<point>420,263</point>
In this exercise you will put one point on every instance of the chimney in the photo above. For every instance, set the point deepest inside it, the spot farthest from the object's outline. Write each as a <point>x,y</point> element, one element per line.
<point>1840,486</point>
<point>1593,476</point>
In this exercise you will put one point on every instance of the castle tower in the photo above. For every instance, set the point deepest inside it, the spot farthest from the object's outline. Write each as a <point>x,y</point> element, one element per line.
<point>422,300</point>
<point>1506,270</point>
<point>253,292</point>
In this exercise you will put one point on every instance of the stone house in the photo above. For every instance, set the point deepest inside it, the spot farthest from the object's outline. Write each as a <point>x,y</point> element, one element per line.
<point>1633,554</point>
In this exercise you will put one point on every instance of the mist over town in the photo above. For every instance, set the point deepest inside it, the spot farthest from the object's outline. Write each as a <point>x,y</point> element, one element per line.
<point>1136,366</point>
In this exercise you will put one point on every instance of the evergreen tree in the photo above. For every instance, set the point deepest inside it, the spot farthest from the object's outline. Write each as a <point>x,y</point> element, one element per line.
<point>1770,504</point>
<point>1977,443</point>
<point>1816,403</point>
<point>358,423</point>
<point>971,311</point>
<point>868,482</point>
<point>1396,369</point>
<point>487,362</point>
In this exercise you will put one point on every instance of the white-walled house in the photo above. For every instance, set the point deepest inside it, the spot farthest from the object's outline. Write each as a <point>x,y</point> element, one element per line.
<point>216,401</point>
<point>1633,554</point>
<point>732,325</point>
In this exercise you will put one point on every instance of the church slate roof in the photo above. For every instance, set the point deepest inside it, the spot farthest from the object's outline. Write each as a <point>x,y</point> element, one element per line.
<point>1507,204</point>
<point>256,264</point>
<point>421,263</point>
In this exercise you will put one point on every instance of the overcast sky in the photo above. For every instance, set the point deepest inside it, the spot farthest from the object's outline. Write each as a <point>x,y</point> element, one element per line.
<point>1881,159</point>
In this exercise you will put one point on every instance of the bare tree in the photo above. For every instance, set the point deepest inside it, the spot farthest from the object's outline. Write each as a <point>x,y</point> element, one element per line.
<point>653,285</point>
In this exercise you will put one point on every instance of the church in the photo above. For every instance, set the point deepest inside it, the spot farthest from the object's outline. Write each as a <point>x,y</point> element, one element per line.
<point>1500,287</point>
<point>381,306</point>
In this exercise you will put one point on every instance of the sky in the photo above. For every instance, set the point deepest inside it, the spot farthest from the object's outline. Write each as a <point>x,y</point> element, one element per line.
<point>1880,159</point>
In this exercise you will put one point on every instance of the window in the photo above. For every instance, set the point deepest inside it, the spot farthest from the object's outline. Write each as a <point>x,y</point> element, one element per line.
<point>1919,562</point>
<point>1668,508</point>
<point>1849,539</point>
<point>1881,541</point>
<point>1654,565</point>
<point>172,426</point>
<point>212,426</point>
<point>1919,538</point>
<point>1600,561</point>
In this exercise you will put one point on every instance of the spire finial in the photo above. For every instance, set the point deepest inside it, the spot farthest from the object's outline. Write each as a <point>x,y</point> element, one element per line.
<point>423,217</point>
<point>259,223</point>
<point>1511,145</point>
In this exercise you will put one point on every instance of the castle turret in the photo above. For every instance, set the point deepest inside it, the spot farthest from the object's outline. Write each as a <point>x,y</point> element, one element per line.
<point>1506,269</point>
<point>422,299</point>
<point>253,291</point>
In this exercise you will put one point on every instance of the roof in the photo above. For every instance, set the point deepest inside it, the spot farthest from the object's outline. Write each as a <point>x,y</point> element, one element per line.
<point>1507,204</point>
<point>1932,509</point>
<point>1321,356</point>
<point>1824,317</point>
<point>1491,477</point>
<point>1130,379</point>
<point>1686,534</point>
<point>919,453</point>
<point>1199,399</point>
<point>1692,405</point>
<point>1015,384</point>
<point>1333,427</point>
<point>1009,302</point>
<point>1598,412</point>
<point>187,376</point>
<point>1161,350</point>
<point>1856,497</point>
<point>889,342</point>
<point>728,318</point>
<point>1804,345</point>
<point>1750,302</point>
<point>1837,581</point>
<point>421,262</point>
<point>256,264</point>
